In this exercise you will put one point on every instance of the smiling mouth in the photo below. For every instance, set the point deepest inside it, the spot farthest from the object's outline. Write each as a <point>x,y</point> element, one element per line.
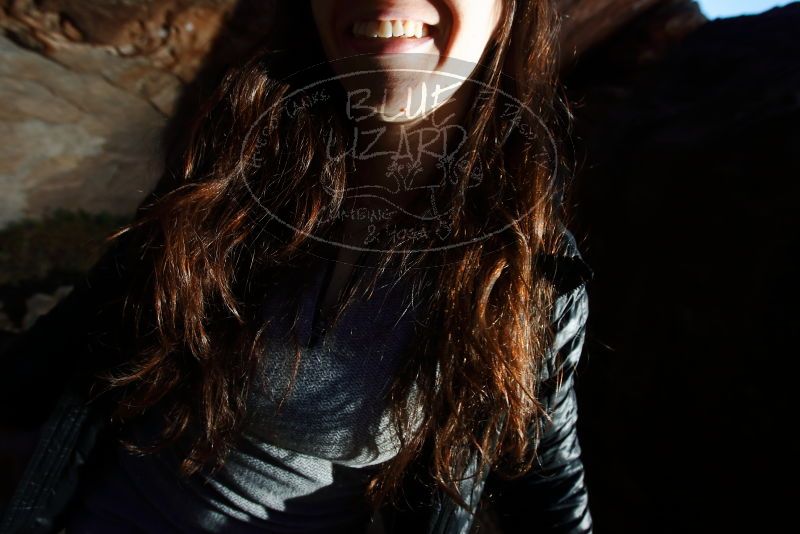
<point>391,29</point>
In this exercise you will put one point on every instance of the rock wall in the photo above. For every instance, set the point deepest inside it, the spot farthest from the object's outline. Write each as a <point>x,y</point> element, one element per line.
<point>87,88</point>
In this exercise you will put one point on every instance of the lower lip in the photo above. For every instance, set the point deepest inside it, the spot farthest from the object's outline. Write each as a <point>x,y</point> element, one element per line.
<point>394,45</point>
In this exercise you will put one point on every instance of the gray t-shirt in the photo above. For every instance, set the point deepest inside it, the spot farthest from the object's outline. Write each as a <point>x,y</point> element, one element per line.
<point>305,468</point>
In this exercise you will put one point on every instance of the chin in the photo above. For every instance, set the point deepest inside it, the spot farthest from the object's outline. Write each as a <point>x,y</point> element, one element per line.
<point>396,88</point>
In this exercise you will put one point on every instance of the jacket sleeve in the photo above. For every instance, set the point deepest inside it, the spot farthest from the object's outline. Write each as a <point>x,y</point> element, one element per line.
<point>552,497</point>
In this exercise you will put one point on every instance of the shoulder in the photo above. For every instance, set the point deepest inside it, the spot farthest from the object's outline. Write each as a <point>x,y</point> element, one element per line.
<point>567,268</point>
<point>571,275</point>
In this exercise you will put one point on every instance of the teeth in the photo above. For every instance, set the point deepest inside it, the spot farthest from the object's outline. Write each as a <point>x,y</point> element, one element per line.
<point>385,29</point>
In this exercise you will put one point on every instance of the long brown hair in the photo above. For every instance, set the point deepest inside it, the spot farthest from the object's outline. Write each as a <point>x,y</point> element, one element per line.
<point>204,249</point>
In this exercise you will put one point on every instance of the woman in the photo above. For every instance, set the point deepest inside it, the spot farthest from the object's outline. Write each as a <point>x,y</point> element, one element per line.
<point>349,304</point>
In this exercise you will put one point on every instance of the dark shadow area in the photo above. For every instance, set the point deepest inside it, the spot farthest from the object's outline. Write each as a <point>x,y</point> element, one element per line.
<point>688,193</point>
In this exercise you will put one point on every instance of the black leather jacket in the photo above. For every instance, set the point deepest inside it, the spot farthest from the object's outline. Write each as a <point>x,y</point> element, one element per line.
<point>41,386</point>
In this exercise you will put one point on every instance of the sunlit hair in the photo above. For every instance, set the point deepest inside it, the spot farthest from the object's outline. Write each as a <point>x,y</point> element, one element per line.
<point>203,250</point>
